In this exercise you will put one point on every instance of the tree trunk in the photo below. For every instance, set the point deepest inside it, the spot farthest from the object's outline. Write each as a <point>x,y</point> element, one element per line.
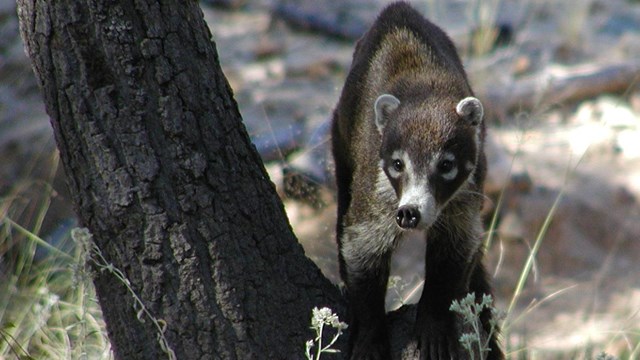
<point>163,174</point>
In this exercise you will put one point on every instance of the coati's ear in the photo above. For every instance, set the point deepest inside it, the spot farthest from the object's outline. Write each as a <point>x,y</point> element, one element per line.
<point>385,104</point>
<point>471,110</point>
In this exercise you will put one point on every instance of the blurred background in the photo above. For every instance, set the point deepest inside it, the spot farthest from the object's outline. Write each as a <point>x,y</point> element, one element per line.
<point>560,83</point>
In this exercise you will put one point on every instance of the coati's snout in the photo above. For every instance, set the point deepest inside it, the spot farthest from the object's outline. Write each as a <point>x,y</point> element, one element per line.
<point>426,167</point>
<point>408,217</point>
<point>417,208</point>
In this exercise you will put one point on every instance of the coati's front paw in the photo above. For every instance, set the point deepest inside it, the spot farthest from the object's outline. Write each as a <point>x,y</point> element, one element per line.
<point>441,348</point>
<point>440,343</point>
<point>370,352</point>
<point>371,347</point>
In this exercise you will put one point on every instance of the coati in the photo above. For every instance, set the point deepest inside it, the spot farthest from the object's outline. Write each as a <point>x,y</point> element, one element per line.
<point>407,140</point>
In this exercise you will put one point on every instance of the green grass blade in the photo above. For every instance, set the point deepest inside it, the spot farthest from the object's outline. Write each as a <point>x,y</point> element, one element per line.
<point>36,239</point>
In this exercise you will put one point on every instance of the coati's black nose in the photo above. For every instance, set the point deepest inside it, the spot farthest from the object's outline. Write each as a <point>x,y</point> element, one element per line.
<point>408,217</point>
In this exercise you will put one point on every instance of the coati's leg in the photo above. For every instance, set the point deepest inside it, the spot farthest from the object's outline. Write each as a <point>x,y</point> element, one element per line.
<point>435,326</point>
<point>368,332</point>
<point>452,270</point>
<point>365,253</point>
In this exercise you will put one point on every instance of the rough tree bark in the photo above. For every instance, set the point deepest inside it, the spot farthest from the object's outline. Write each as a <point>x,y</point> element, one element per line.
<point>164,175</point>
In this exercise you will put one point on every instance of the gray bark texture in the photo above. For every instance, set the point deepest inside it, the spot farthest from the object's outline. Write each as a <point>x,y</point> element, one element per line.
<point>162,172</point>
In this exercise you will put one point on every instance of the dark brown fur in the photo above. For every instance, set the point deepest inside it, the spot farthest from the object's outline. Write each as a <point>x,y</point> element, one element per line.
<point>405,55</point>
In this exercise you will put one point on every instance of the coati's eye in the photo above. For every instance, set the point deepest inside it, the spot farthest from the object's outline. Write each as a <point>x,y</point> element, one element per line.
<point>445,166</point>
<point>398,165</point>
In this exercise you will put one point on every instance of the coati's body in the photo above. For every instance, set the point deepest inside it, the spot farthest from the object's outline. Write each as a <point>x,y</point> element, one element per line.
<point>408,147</point>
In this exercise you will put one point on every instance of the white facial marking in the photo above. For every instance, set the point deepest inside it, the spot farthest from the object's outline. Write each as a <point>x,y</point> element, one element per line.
<point>469,166</point>
<point>451,174</point>
<point>472,169</point>
<point>415,192</point>
<point>418,195</point>
<point>408,165</point>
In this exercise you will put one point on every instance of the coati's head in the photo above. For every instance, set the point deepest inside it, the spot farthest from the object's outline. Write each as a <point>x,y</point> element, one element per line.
<point>429,151</point>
